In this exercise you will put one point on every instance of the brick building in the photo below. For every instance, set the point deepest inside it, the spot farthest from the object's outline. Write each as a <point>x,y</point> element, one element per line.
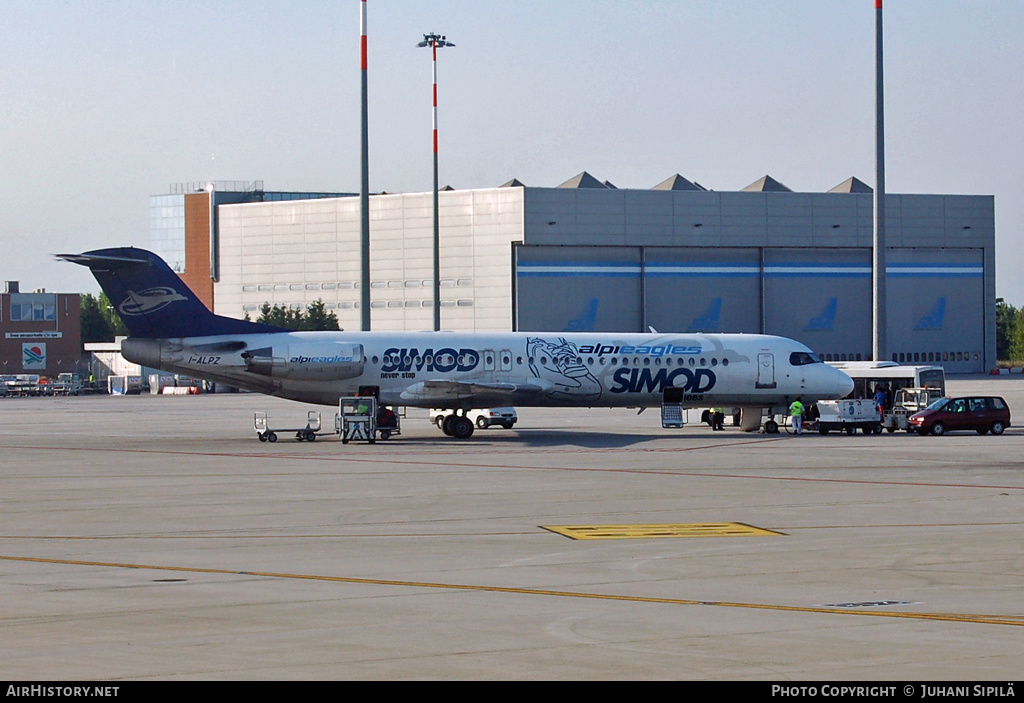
<point>40,332</point>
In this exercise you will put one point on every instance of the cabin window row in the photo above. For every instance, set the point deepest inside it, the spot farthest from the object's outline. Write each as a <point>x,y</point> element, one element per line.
<point>579,361</point>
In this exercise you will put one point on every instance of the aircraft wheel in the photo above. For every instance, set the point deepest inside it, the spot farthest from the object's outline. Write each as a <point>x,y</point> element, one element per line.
<point>440,421</point>
<point>462,428</point>
<point>448,425</point>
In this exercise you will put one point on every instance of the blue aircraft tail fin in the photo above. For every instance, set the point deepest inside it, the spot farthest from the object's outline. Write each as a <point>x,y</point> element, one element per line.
<point>152,300</point>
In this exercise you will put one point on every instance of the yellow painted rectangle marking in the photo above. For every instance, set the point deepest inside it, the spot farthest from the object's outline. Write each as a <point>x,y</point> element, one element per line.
<point>698,529</point>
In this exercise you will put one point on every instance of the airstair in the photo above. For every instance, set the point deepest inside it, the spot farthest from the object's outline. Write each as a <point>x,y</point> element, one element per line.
<point>672,408</point>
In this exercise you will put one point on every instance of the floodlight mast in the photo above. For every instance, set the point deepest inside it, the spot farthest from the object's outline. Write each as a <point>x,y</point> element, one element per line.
<point>435,42</point>
<point>879,312</point>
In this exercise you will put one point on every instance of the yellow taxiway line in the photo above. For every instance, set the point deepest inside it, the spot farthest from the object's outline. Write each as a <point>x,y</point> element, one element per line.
<point>939,617</point>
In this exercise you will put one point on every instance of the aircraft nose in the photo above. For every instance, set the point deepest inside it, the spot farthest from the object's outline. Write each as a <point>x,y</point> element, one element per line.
<point>844,384</point>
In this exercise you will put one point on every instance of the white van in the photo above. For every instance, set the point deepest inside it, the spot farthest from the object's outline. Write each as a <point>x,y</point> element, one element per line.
<point>504,417</point>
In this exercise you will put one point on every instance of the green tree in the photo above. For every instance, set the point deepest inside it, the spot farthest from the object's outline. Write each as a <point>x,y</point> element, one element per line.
<point>113,317</point>
<point>99,320</point>
<point>315,318</point>
<point>1006,320</point>
<point>1016,344</point>
<point>95,327</point>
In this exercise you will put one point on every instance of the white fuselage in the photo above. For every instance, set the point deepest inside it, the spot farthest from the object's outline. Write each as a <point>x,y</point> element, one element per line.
<point>464,370</point>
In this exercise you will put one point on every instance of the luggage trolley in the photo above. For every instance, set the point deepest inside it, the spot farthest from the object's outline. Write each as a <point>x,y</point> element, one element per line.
<point>308,433</point>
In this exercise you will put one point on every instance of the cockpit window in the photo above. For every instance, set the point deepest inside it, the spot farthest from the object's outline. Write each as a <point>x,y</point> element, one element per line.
<point>803,358</point>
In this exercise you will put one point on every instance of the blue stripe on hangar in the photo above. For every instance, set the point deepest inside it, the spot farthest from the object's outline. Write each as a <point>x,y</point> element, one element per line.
<point>725,270</point>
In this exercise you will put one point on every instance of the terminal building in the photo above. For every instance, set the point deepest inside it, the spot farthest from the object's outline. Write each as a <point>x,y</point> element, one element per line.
<point>41,332</point>
<point>585,255</point>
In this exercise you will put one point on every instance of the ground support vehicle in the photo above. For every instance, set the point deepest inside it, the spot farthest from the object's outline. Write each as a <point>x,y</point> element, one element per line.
<point>23,385</point>
<point>67,384</point>
<point>266,434</point>
<point>907,402</point>
<point>360,418</point>
<point>848,416</point>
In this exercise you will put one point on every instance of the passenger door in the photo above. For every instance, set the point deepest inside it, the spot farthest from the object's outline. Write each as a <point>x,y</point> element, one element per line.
<point>980,412</point>
<point>765,370</point>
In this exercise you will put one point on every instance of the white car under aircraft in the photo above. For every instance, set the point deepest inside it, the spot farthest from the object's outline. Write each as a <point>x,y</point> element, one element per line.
<point>172,330</point>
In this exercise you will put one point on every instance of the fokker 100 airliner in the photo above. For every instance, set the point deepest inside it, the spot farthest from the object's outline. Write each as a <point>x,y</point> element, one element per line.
<point>172,330</point>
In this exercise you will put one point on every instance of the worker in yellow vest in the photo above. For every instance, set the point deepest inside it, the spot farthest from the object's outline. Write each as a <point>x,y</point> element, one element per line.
<point>796,414</point>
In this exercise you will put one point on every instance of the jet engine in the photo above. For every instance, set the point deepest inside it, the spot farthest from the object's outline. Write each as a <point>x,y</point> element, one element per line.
<point>325,360</point>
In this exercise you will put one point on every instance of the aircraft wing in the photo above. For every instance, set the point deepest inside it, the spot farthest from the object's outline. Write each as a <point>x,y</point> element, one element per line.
<point>476,394</point>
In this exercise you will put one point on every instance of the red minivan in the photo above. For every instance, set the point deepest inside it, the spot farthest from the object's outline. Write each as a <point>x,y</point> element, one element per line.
<point>980,413</point>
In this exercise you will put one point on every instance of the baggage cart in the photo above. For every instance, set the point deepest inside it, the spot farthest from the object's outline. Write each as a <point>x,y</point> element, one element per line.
<point>261,423</point>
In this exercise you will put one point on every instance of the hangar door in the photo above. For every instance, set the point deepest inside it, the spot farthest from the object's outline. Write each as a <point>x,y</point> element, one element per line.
<point>691,289</point>
<point>577,289</point>
<point>936,300</point>
<point>821,297</point>
<point>628,289</point>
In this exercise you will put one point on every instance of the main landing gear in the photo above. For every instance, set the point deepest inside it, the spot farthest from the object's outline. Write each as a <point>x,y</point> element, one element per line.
<point>457,426</point>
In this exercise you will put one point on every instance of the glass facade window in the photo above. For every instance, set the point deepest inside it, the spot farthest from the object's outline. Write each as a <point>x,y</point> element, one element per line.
<point>167,229</point>
<point>33,307</point>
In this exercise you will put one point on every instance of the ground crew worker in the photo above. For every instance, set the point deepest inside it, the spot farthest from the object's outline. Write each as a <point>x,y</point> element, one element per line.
<point>880,401</point>
<point>717,418</point>
<point>796,412</point>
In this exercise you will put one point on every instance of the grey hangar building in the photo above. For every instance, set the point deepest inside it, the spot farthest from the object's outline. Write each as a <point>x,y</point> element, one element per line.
<point>587,256</point>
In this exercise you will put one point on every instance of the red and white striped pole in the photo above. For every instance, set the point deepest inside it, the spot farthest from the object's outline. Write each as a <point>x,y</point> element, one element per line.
<point>362,33</point>
<point>364,193</point>
<point>435,41</point>
<point>433,48</point>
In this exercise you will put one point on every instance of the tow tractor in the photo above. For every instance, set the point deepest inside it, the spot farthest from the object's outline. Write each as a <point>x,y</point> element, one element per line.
<point>266,434</point>
<point>907,402</point>
<point>360,419</point>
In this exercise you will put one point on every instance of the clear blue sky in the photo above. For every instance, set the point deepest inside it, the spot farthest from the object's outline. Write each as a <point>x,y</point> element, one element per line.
<point>104,103</point>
